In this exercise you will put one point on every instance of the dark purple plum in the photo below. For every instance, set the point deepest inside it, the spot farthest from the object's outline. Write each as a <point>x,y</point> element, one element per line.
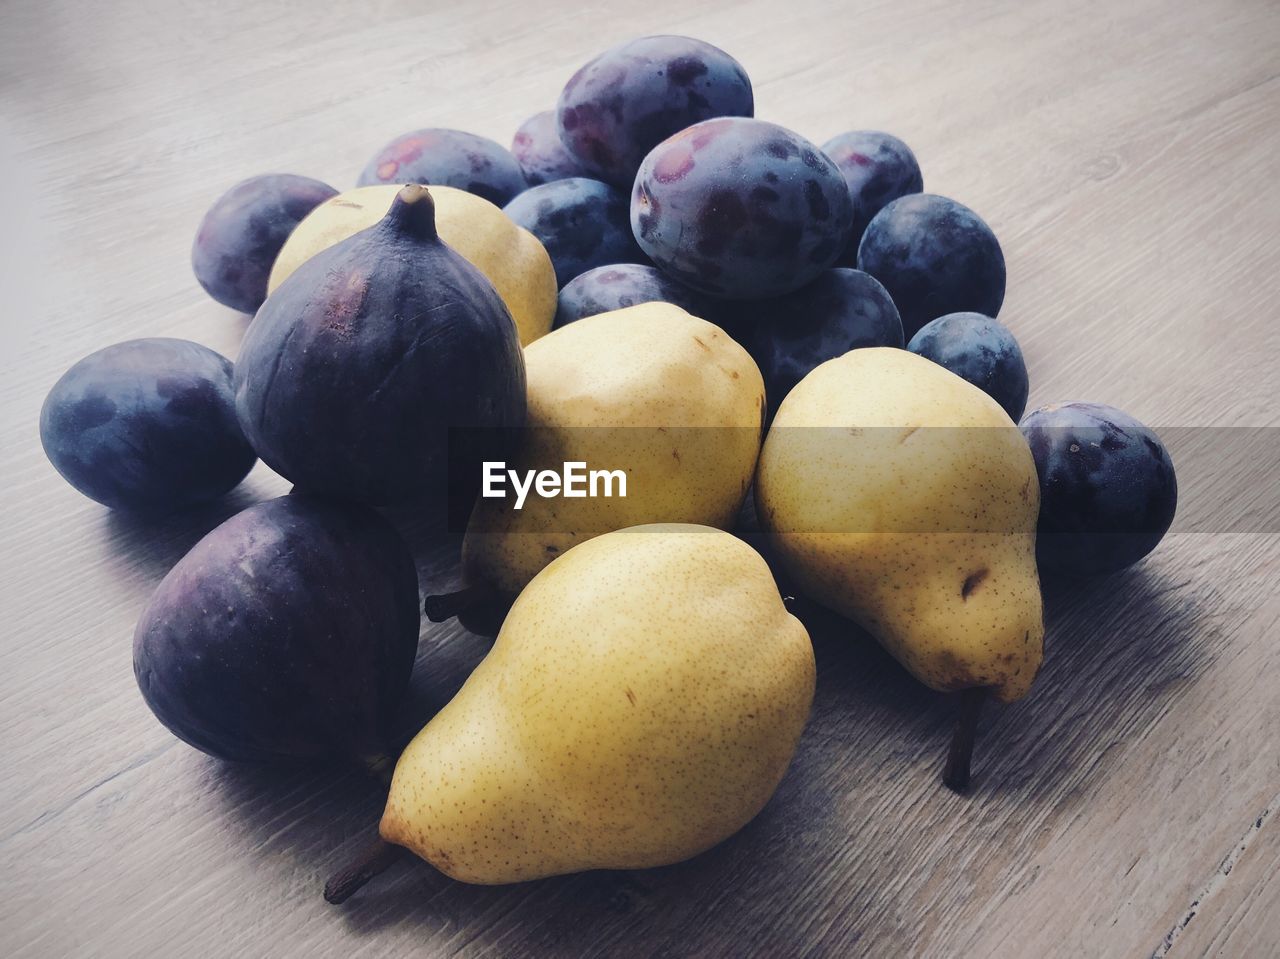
<point>935,256</point>
<point>358,367</point>
<point>1107,487</point>
<point>981,350</point>
<point>620,285</point>
<point>241,235</point>
<point>147,426</point>
<point>841,310</point>
<point>448,158</point>
<point>633,96</point>
<point>287,633</point>
<point>740,209</point>
<point>582,223</point>
<point>878,168</point>
<point>541,155</point>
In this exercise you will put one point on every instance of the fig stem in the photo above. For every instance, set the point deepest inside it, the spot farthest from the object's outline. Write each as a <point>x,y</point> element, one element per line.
<point>377,858</point>
<point>445,606</point>
<point>956,774</point>
<point>413,211</point>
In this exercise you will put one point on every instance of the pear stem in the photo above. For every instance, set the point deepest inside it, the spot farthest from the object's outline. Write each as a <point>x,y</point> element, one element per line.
<point>444,606</point>
<point>956,774</point>
<point>378,858</point>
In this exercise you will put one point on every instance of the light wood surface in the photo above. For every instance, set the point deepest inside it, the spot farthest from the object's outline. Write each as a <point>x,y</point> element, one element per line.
<point>1127,154</point>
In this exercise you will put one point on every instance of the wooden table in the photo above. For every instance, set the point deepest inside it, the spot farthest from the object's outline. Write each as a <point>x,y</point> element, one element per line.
<point>1127,154</point>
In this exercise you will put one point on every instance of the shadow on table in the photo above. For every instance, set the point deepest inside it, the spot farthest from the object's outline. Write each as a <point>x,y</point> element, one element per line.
<point>864,788</point>
<point>1118,651</point>
<point>156,543</point>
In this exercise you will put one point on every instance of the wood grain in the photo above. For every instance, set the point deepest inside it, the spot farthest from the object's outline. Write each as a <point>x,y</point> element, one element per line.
<point>1127,156</point>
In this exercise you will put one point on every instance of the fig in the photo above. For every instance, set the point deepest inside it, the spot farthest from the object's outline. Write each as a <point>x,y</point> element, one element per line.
<point>147,426</point>
<point>448,158</point>
<point>510,257</point>
<point>240,236</point>
<point>359,365</point>
<point>289,632</point>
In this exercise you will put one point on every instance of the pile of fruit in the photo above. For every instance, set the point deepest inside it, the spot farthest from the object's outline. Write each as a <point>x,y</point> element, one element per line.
<point>653,281</point>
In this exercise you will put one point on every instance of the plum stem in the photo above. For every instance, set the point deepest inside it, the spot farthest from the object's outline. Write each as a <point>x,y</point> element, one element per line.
<point>377,858</point>
<point>956,774</point>
<point>444,606</point>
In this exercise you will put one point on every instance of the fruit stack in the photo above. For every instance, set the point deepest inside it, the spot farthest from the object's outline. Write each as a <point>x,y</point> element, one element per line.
<point>654,281</point>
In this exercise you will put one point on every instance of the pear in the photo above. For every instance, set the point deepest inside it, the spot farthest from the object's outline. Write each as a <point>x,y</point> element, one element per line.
<point>509,256</point>
<point>904,498</point>
<point>651,391</point>
<point>641,703</point>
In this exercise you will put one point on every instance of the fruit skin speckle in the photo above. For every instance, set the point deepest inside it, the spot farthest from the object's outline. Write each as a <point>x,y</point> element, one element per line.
<point>935,256</point>
<point>448,158</point>
<point>1108,491</point>
<point>240,236</point>
<point>147,426</point>
<point>878,168</point>
<point>541,155</point>
<point>740,208</point>
<point>629,99</point>
<point>980,350</point>
<point>582,224</point>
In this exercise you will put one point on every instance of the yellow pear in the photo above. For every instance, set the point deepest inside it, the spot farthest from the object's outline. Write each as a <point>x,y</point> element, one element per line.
<point>512,258</point>
<point>666,398</point>
<point>641,704</point>
<point>905,498</point>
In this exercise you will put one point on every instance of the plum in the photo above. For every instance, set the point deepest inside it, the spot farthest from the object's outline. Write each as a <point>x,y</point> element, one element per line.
<point>740,208</point>
<point>582,223</point>
<point>978,349</point>
<point>1107,487</point>
<point>878,168</point>
<point>541,154</point>
<point>629,99</point>
<point>935,256</point>
<point>448,158</point>
<point>287,633</point>
<point>361,364</point>
<point>841,310</point>
<point>239,238</point>
<point>147,426</point>
<point>619,285</point>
